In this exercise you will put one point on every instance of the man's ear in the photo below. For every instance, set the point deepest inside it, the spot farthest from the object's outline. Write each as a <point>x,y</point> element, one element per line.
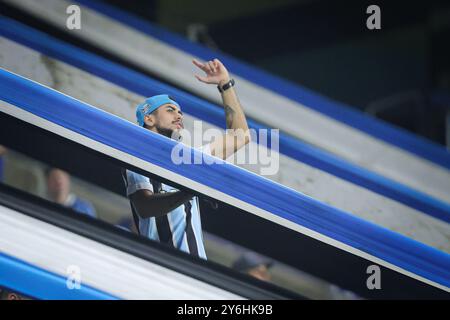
<point>149,120</point>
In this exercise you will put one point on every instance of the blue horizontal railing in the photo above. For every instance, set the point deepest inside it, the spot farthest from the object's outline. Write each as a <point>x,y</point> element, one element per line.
<point>278,200</point>
<point>30,280</point>
<point>146,86</point>
<point>333,109</point>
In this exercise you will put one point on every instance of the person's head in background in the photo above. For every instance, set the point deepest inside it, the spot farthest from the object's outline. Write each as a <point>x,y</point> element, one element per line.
<point>9,295</point>
<point>58,185</point>
<point>254,265</point>
<point>59,191</point>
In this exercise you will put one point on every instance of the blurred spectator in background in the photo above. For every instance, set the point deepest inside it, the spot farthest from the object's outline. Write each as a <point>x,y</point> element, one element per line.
<point>58,188</point>
<point>9,295</point>
<point>127,224</point>
<point>254,265</point>
<point>2,153</point>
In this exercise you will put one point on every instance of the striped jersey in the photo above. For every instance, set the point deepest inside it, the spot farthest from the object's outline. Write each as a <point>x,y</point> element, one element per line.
<point>181,228</point>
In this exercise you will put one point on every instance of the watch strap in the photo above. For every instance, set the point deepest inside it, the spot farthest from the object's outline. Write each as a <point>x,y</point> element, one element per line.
<point>226,86</point>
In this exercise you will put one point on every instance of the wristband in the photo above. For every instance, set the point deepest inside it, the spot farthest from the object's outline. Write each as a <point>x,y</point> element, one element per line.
<point>226,86</point>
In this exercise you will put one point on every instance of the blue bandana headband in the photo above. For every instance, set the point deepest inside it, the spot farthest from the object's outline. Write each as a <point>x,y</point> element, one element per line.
<point>150,105</point>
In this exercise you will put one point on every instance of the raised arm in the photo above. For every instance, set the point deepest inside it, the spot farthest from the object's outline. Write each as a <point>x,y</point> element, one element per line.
<point>237,134</point>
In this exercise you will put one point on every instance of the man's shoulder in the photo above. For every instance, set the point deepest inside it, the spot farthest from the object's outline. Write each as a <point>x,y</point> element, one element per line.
<point>84,206</point>
<point>135,181</point>
<point>81,202</point>
<point>129,174</point>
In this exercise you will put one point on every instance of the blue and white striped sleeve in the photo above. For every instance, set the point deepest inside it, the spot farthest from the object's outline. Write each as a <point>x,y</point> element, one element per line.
<point>137,182</point>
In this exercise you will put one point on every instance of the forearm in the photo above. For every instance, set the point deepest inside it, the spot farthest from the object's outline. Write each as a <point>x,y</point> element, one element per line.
<point>237,134</point>
<point>159,204</point>
<point>234,115</point>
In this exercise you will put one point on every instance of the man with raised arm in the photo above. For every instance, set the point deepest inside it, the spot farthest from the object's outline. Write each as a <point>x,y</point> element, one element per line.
<point>163,213</point>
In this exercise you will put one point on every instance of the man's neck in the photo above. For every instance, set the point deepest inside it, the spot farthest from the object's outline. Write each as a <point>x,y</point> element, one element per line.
<point>62,199</point>
<point>164,132</point>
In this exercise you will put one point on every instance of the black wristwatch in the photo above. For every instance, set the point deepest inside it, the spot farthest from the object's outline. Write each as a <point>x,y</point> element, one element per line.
<point>226,86</point>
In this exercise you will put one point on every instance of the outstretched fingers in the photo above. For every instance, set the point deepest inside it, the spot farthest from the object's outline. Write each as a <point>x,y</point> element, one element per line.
<point>202,66</point>
<point>214,70</point>
<point>207,67</point>
<point>212,66</point>
<point>202,79</point>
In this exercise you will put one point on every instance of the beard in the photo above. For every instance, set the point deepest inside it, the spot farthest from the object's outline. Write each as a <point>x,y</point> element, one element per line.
<point>169,133</point>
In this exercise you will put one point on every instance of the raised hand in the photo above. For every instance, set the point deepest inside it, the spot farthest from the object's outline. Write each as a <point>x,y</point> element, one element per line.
<point>215,72</point>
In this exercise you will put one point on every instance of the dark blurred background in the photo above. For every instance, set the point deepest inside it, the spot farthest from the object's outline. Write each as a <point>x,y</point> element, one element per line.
<point>400,73</point>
